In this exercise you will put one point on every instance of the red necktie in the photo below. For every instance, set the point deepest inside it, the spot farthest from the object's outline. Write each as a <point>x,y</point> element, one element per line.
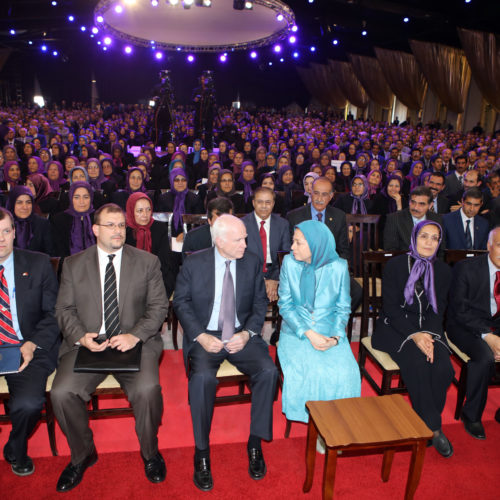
<point>7,332</point>
<point>263,239</point>
<point>496,292</point>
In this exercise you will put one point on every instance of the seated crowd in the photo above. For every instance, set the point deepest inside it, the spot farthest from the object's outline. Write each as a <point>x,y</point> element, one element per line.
<point>78,179</point>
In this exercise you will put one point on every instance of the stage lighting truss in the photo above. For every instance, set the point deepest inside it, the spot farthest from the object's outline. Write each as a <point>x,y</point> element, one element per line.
<point>277,6</point>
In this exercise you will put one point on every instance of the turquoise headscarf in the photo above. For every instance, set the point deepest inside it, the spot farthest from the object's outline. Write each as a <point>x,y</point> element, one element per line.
<point>323,251</point>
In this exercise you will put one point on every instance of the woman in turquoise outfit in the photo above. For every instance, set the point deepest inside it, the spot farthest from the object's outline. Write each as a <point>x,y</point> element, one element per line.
<point>315,304</point>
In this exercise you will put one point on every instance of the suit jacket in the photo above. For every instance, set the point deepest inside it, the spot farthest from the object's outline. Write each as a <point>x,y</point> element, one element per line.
<point>195,293</point>
<point>142,301</point>
<point>198,238</point>
<point>279,240</point>
<point>36,292</point>
<point>41,239</point>
<point>455,234</point>
<point>453,189</point>
<point>334,219</point>
<point>469,311</point>
<point>443,204</point>
<point>398,229</point>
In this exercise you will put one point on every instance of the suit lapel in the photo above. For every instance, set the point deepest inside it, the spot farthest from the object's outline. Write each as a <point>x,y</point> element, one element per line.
<point>273,235</point>
<point>22,282</point>
<point>254,227</point>
<point>407,224</point>
<point>240,281</point>
<point>211,280</point>
<point>127,265</point>
<point>94,281</point>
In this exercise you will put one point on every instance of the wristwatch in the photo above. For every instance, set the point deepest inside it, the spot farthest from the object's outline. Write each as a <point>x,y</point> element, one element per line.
<point>252,334</point>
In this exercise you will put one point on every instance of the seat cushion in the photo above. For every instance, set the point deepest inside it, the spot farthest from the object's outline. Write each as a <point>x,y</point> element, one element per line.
<point>226,369</point>
<point>382,357</point>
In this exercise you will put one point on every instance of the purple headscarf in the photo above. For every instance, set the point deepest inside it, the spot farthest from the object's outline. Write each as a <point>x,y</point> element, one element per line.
<point>180,196</point>
<point>392,205</point>
<point>96,183</point>
<point>358,204</point>
<point>57,183</point>
<point>422,267</point>
<point>415,179</point>
<point>81,236</point>
<point>247,185</point>
<point>24,230</point>
<point>142,189</point>
<point>41,166</point>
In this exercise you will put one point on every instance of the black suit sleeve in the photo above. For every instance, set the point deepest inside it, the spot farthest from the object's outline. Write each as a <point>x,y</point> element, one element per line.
<point>391,240</point>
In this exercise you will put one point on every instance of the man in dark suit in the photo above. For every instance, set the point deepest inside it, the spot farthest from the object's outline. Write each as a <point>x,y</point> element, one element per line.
<point>474,326</point>
<point>140,298</point>
<point>334,218</point>
<point>220,323</point>
<point>275,233</point>
<point>454,185</point>
<point>440,203</point>
<point>399,225</point>
<point>201,237</point>
<point>28,300</point>
<point>464,228</point>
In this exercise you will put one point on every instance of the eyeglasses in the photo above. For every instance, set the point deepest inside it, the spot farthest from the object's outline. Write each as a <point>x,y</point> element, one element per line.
<point>180,179</point>
<point>110,225</point>
<point>357,184</point>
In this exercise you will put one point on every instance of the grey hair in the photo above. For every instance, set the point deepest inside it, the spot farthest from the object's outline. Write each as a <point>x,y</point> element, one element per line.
<point>222,224</point>
<point>491,234</point>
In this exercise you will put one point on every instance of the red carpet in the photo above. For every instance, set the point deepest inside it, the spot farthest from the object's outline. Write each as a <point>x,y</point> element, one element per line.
<point>470,473</point>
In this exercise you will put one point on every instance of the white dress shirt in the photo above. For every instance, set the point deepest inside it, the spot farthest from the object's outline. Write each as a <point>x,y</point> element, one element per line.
<point>464,224</point>
<point>267,227</point>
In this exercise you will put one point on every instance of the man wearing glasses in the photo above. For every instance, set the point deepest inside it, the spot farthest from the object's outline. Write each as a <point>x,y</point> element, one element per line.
<point>89,310</point>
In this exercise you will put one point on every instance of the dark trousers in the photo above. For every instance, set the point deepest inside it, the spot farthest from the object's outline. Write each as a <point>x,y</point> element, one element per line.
<point>356,294</point>
<point>253,360</point>
<point>71,391</point>
<point>427,382</point>
<point>26,400</point>
<point>480,369</point>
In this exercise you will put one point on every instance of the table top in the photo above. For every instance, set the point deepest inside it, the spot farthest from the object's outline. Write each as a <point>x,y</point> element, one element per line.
<point>368,420</point>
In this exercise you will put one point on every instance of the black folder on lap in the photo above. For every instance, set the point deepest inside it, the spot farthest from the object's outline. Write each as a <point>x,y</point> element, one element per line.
<point>10,358</point>
<point>108,361</point>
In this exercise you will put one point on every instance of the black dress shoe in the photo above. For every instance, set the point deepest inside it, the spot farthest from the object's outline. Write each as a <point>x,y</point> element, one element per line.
<point>497,415</point>
<point>73,474</point>
<point>202,474</point>
<point>25,468</point>
<point>155,468</point>
<point>274,338</point>
<point>475,429</point>
<point>442,445</point>
<point>256,465</point>
<point>8,455</point>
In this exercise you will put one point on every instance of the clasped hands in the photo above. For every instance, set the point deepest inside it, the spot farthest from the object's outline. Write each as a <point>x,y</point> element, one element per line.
<point>425,342</point>
<point>320,342</point>
<point>493,342</point>
<point>123,342</point>
<point>214,345</point>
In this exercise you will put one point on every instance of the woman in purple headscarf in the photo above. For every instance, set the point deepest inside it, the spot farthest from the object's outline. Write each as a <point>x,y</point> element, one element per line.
<point>72,229</point>
<point>285,183</point>
<point>412,180</point>
<point>55,175</point>
<point>357,201</point>
<point>410,326</point>
<point>246,182</point>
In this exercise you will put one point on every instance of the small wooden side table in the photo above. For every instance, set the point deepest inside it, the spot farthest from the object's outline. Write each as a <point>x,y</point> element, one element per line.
<point>383,423</point>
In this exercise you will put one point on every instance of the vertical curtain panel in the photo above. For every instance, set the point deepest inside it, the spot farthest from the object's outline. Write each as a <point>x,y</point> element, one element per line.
<point>370,75</point>
<point>483,55</point>
<point>447,71</point>
<point>403,76</point>
<point>321,85</point>
<point>351,87</point>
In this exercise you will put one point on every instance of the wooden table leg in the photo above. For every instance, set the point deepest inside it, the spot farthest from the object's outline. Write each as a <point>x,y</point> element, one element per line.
<point>312,436</point>
<point>387,464</point>
<point>329,473</point>
<point>416,463</point>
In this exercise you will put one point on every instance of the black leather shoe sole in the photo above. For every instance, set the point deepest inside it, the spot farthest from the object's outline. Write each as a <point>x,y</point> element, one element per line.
<point>25,469</point>
<point>155,469</point>
<point>203,484</point>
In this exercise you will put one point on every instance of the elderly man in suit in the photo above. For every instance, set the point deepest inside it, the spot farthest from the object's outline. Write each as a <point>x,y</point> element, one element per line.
<point>464,228</point>
<point>201,237</point>
<point>399,225</point>
<point>320,209</point>
<point>115,292</point>
<point>220,300</point>
<point>474,327</point>
<point>28,291</point>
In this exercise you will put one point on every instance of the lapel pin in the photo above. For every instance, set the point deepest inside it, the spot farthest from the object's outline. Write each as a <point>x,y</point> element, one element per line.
<point>25,274</point>
<point>330,219</point>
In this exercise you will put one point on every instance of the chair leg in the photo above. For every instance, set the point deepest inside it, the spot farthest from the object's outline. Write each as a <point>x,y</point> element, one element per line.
<point>462,385</point>
<point>386,383</point>
<point>95,403</point>
<point>288,428</point>
<point>50,419</point>
<point>349,327</point>
<point>175,325</point>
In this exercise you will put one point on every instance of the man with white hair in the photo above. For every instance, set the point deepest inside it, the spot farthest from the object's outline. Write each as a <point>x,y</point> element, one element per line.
<point>220,300</point>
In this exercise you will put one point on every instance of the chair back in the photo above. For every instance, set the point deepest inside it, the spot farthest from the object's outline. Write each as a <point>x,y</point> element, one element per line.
<point>190,221</point>
<point>164,217</point>
<point>364,237</point>
<point>451,257</point>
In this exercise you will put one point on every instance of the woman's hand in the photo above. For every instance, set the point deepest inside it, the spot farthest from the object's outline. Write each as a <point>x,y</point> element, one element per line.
<point>397,198</point>
<point>320,342</point>
<point>180,237</point>
<point>425,343</point>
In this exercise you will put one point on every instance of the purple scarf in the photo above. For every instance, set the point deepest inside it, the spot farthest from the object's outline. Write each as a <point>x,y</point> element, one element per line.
<point>96,183</point>
<point>24,231</point>
<point>142,189</point>
<point>81,236</point>
<point>391,202</point>
<point>358,204</point>
<point>247,185</point>
<point>422,267</point>
<point>180,196</point>
<point>57,183</point>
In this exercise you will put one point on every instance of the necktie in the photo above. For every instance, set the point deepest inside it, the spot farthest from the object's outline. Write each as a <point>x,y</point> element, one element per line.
<point>461,179</point>
<point>111,313</point>
<point>432,207</point>
<point>320,216</point>
<point>263,239</point>
<point>468,236</point>
<point>496,292</point>
<point>227,312</point>
<point>7,332</point>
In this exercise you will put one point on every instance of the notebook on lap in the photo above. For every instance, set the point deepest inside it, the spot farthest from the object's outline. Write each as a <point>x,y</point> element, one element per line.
<point>10,358</point>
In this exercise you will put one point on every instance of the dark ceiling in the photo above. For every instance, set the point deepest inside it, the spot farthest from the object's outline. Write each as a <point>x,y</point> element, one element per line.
<point>320,23</point>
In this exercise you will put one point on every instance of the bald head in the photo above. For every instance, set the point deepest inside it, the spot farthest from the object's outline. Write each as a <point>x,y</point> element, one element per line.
<point>229,234</point>
<point>494,246</point>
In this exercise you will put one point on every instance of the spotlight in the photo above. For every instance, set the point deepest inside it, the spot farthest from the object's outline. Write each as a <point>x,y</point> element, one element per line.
<point>281,60</point>
<point>54,3</point>
<point>118,9</point>
<point>43,48</point>
<point>364,32</point>
<point>406,19</point>
<point>152,42</point>
<point>83,28</point>
<point>295,28</point>
<point>248,5</point>
<point>292,39</point>
<point>104,48</point>
<point>159,55</point>
<point>12,32</point>
<point>99,19</point>
<point>468,1</point>
<point>71,18</point>
<point>173,2</point>
<point>55,53</point>
<point>270,63</point>
<point>313,49</point>
<point>253,54</point>
<point>154,3</point>
<point>190,58</point>
<point>279,17</point>
<point>107,40</point>
<point>295,54</point>
<point>310,1</point>
<point>128,49</point>
<point>95,30</point>
<point>99,42</point>
<point>30,42</point>
<point>335,42</point>
<point>187,3</point>
<point>178,49</point>
<point>277,49</point>
<point>223,58</point>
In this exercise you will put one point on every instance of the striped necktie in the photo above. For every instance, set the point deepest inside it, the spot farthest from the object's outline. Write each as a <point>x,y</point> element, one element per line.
<point>7,332</point>
<point>111,316</point>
